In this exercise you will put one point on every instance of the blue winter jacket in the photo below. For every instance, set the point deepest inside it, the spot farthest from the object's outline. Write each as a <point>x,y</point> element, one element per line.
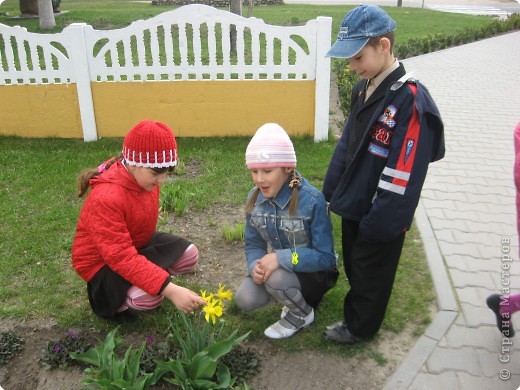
<point>382,184</point>
<point>308,233</point>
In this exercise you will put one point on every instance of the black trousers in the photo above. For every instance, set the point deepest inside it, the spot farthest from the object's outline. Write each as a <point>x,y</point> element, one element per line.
<point>370,269</point>
<point>314,285</point>
<point>107,290</point>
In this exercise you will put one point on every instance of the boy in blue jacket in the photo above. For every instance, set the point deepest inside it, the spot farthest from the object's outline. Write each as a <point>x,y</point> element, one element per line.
<point>375,176</point>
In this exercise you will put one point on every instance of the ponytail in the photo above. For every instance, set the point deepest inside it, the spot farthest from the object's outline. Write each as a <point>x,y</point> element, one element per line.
<point>82,182</point>
<point>295,183</point>
<point>250,205</point>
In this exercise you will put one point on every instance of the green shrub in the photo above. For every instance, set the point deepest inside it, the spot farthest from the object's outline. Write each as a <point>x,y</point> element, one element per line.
<point>346,81</point>
<point>57,352</point>
<point>10,345</point>
<point>295,21</point>
<point>155,351</point>
<point>243,363</point>
<point>108,371</point>
<point>511,23</point>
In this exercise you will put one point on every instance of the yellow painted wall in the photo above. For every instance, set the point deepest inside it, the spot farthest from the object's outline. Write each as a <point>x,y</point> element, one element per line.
<point>40,111</point>
<point>205,108</point>
<point>191,108</point>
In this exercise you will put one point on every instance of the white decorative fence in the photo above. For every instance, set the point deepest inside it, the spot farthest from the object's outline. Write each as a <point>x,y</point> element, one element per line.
<point>189,43</point>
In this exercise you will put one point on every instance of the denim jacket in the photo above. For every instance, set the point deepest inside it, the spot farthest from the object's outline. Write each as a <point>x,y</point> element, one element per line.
<point>308,233</point>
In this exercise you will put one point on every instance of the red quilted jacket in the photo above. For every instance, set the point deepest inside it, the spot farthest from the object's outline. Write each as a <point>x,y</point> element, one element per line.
<point>118,217</point>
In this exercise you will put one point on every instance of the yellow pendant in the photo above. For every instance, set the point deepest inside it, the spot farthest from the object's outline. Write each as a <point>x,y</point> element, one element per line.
<point>295,258</point>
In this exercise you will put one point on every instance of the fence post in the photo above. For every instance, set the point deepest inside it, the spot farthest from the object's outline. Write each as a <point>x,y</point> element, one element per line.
<point>78,56</point>
<point>321,105</point>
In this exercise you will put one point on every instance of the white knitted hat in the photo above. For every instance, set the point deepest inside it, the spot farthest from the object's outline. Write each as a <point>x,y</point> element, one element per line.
<point>270,147</point>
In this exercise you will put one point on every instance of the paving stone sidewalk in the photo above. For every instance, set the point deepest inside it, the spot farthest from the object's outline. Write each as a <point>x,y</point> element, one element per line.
<point>467,219</point>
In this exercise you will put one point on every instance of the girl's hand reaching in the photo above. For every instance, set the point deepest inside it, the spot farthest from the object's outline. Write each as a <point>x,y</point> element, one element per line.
<point>183,298</point>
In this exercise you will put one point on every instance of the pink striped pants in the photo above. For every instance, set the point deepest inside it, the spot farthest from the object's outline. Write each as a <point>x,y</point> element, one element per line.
<point>137,299</point>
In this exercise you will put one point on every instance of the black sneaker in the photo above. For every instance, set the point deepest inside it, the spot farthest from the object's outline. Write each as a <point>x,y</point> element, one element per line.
<point>504,324</point>
<point>329,327</point>
<point>340,334</point>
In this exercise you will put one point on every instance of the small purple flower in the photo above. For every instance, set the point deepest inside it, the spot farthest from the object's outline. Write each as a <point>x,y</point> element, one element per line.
<point>72,334</point>
<point>57,348</point>
<point>149,340</point>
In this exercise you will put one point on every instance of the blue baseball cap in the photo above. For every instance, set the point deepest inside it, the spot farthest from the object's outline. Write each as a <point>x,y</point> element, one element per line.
<point>357,27</point>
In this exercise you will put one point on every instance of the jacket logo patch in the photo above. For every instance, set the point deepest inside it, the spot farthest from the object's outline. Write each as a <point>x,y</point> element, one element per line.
<point>343,33</point>
<point>409,147</point>
<point>378,150</point>
<point>388,117</point>
<point>382,135</point>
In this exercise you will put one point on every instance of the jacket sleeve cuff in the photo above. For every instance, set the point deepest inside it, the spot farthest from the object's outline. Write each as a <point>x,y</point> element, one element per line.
<point>284,257</point>
<point>251,266</point>
<point>166,282</point>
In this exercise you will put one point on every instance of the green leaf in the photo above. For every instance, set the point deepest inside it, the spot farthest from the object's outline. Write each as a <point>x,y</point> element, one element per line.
<point>202,366</point>
<point>91,357</point>
<point>131,362</point>
<point>101,355</point>
<point>223,380</point>
<point>223,347</point>
<point>174,366</point>
<point>204,384</point>
<point>224,376</point>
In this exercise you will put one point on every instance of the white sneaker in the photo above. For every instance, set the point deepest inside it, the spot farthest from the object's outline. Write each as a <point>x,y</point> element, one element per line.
<point>284,312</point>
<point>278,331</point>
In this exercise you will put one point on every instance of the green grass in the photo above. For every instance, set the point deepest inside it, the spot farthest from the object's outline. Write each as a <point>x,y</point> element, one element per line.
<point>40,211</point>
<point>233,233</point>
<point>411,22</point>
<point>40,208</point>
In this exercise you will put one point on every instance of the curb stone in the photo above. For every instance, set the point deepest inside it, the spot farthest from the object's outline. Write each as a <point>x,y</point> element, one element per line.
<point>446,303</point>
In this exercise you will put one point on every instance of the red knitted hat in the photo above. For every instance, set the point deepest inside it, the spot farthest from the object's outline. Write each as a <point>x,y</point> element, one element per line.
<point>150,144</point>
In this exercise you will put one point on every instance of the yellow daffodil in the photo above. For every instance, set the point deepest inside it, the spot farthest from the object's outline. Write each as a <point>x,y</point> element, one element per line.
<point>222,294</point>
<point>212,310</point>
<point>207,298</point>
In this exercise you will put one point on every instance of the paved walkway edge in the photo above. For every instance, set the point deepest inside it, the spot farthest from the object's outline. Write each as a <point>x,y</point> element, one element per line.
<point>446,303</point>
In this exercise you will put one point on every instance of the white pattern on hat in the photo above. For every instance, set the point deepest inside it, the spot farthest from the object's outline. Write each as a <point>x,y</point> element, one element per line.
<point>148,144</point>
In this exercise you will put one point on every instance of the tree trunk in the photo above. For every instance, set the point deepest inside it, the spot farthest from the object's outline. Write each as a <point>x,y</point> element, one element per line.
<point>250,8</point>
<point>399,3</point>
<point>29,7</point>
<point>235,6</point>
<point>47,21</point>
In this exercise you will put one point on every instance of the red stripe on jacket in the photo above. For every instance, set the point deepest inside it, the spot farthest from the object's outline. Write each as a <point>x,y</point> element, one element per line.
<point>405,164</point>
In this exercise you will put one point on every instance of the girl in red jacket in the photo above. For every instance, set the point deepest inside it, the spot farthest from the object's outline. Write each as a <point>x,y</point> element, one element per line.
<point>126,263</point>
